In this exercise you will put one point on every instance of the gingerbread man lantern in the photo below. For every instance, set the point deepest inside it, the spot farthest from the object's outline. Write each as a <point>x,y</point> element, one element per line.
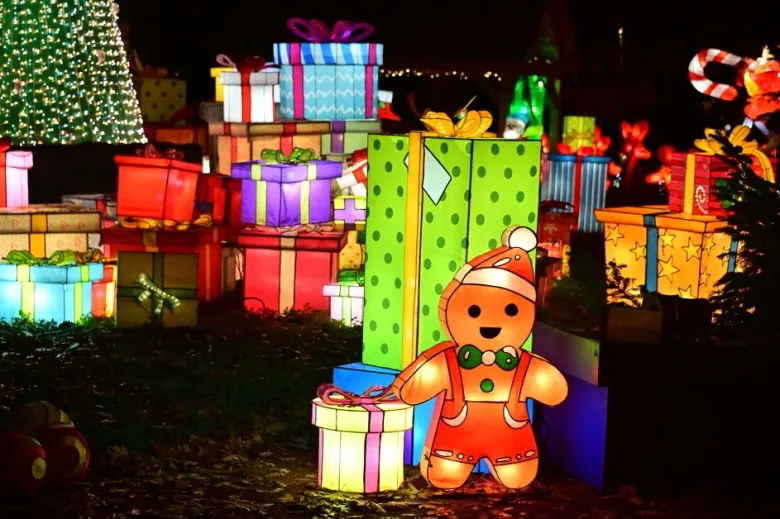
<point>482,378</point>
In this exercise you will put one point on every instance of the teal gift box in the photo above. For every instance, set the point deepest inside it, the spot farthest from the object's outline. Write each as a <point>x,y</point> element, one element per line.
<point>48,292</point>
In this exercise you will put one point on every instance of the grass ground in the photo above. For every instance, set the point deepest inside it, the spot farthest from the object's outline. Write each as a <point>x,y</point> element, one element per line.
<point>214,423</point>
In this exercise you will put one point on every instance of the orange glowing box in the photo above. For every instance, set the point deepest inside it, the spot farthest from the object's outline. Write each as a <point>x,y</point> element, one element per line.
<point>46,228</point>
<point>204,242</point>
<point>156,187</point>
<point>177,134</point>
<point>287,270</point>
<point>241,142</point>
<point>104,293</point>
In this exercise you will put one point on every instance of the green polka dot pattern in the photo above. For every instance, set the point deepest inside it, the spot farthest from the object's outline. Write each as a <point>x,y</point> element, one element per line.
<point>490,186</point>
<point>385,250</point>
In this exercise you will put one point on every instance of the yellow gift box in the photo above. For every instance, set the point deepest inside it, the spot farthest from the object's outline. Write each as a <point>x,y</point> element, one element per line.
<point>219,88</point>
<point>146,280</point>
<point>669,253</point>
<point>578,131</point>
<point>45,229</point>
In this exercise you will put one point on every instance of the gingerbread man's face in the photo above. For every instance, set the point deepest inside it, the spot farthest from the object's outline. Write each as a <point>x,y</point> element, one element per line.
<point>489,318</point>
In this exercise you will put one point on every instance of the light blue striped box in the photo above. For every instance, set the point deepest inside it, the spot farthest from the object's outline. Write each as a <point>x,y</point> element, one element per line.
<point>564,174</point>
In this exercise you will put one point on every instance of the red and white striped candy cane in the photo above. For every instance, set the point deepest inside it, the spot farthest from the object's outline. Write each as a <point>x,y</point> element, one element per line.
<point>706,86</point>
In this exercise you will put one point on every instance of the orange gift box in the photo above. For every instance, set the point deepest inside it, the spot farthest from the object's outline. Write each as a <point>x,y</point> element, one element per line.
<point>286,269</point>
<point>157,187</point>
<point>177,134</point>
<point>205,242</point>
<point>104,293</point>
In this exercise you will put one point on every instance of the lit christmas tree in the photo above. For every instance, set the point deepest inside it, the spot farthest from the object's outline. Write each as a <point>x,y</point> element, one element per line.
<point>64,75</point>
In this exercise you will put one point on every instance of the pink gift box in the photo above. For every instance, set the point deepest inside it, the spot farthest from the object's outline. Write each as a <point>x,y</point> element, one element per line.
<point>13,177</point>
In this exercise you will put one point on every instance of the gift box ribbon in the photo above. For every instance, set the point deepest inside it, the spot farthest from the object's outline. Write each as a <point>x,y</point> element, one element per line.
<point>58,258</point>
<point>151,151</point>
<point>246,67</point>
<point>296,156</point>
<point>156,224</point>
<point>343,31</point>
<point>331,394</point>
<point>473,124</point>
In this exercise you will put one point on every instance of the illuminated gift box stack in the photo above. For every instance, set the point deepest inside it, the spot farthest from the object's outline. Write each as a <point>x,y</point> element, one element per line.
<point>169,241</point>
<point>14,166</point>
<point>436,199</point>
<point>577,174</point>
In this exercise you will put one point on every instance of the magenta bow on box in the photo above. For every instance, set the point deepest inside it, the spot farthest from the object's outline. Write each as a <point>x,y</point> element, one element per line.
<point>246,65</point>
<point>334,395</point>
<point>343,31</point>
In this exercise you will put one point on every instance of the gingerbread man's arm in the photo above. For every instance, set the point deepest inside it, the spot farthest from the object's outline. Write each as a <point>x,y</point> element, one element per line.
<point>544,383</point>
<point>424,378</point>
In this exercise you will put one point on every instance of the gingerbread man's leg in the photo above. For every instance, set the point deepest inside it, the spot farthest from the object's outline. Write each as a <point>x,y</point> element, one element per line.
<point>515,475</point>
<point>443,473</point>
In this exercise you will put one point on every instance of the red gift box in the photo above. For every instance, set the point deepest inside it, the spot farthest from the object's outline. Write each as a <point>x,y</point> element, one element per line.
<point>287,269</point>
<point>104,293</point>
<point>555,229</point>
<point>223,195</point>
<point>157,185</point>
<point>177,134</point>
<point>205,242</point>
<point>701,172</point>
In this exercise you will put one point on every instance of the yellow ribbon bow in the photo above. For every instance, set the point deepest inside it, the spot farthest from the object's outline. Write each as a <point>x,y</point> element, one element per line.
<point>150,289</point>
<point>156,224</point>
<point>575,135</point>
<point>738,137</point>
<point>473,124</point>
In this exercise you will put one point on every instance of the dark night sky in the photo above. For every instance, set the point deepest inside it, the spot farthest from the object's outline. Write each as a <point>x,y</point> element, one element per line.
<point>660,38</point>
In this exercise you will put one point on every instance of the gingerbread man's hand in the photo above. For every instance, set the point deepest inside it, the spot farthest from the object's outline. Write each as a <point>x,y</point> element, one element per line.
<point>424,378</point>
<point>544,383</point>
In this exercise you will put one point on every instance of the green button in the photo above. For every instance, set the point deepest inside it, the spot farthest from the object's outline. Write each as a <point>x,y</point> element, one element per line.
<point>486,385</point>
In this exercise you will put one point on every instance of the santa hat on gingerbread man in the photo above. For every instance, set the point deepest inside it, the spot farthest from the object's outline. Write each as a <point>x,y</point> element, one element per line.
<point>508,267</point>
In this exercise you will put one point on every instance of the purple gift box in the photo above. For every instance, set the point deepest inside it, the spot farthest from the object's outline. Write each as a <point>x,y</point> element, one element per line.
<point>281,195</point>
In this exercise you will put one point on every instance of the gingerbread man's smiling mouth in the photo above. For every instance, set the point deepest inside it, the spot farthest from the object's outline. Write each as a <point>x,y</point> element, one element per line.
<point>489,332</point>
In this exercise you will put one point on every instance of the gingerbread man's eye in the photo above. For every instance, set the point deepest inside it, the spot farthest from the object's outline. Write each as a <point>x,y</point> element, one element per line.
<point>511,310</point>
<point>474,311</point>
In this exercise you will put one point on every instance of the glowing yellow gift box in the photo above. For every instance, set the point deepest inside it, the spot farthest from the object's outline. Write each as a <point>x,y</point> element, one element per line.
<point>45,229</point>
<point>361,439</point>
<point>48,291</point>
<point>670,253</point>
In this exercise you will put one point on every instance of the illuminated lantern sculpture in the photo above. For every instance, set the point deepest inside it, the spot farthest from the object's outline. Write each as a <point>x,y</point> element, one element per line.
<point>104,293</point>
<point>33,415</point>
<point>481,379</point>
<point>22,463</point>
<point>349,212</point>
<point>353,255</point>
<point>694,175</point>
<point>45,229</point>
<point>282,190</point>
<point>669,253</point>
<point>633,149</point>
<point>578,132</point>
<point>555,228</point>
<point>14,165</point>
<point>157,288</point>
<point>286,268</point>
<point>333,75</point>
<point>157,185</point>
<point>346,297</point>
<point>56,288</point>
<point>354,179</point>
<point>248,90</point>
<point>435,199</point>
<point>67,452</point>
<point>361,439</point>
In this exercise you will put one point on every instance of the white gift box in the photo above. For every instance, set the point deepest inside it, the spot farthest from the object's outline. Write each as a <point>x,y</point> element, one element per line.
<point>249,97</point>
<point>346,302</point>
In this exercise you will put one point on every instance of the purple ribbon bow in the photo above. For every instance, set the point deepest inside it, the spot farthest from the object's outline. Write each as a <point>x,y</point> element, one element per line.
<point>343,31</point>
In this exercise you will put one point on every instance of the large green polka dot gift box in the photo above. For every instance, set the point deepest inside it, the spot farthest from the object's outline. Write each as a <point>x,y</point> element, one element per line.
<point>435,200</point>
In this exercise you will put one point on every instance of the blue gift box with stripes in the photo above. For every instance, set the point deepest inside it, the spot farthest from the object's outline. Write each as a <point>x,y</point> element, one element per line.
<point>329,81</point>
<point>580,181</point>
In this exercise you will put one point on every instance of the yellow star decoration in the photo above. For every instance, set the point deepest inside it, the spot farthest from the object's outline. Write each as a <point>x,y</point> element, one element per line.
<point>687,293</point>
<point>640,251</point>
<point>691,250</point>
<point>667,269</point>
<point>725,259</point>
<point>709,242</point>
<point>613,233</point>
<point>666,238</point>
<point>703,278</point>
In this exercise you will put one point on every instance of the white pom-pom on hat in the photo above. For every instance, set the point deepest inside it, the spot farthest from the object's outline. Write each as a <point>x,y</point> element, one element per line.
<point>521,238</point>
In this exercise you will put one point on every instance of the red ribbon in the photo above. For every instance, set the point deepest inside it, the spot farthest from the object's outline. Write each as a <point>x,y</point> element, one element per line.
<point>306,228</point>
<point>151,151</point>
<point>316,31</point>
<point>254,64</point>
<point>333,395</point>
<point>599,149</point>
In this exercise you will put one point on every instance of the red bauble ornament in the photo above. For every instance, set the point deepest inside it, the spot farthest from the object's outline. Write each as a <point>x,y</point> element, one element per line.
<point>67,453</point>
<point>22,463</point>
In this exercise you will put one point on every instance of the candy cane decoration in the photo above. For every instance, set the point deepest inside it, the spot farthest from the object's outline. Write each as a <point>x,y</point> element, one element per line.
<point>705,85</point>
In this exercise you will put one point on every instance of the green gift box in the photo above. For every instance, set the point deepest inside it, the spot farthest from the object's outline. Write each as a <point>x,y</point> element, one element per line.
<point>434,203</point>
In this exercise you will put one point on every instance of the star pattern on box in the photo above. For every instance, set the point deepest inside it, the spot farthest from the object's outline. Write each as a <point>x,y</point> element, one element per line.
<point>667,269</point>
<point>691,250</point>
<point>724,256</point>
<point>709,242</point>
<point>640,251</point>
<point>687,293</point>
<point>704,277</point>
<point>666,238</point>
<point>613,234</point>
